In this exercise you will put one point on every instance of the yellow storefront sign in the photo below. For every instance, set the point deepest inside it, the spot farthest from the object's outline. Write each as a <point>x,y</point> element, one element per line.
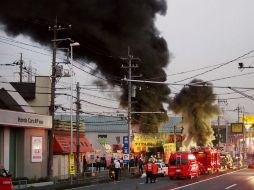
<point>143,141</point>
<point>72,165</point>
<point>248,121</point>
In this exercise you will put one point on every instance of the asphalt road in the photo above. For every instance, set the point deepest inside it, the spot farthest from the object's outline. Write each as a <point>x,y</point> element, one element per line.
<point>238,180</point>
<point>131,184</point>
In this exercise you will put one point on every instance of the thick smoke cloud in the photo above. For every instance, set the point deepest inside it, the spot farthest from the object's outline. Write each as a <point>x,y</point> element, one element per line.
<point>196,103</point>
<point>104,28</point>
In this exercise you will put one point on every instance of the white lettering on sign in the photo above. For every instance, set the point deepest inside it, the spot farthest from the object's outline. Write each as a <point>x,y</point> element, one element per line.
<point>22,119</point>
<point>29,120</point>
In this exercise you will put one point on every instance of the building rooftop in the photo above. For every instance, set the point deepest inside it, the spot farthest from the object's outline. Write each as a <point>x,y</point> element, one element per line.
<point>119,124</point>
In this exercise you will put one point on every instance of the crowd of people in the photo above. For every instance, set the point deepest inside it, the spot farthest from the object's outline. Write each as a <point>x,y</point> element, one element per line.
<point>149,168</point>
<point>151,171</point>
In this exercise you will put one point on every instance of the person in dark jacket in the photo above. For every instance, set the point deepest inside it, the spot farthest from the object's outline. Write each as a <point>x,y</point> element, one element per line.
<point>140,165</point>
<point>84,164</point>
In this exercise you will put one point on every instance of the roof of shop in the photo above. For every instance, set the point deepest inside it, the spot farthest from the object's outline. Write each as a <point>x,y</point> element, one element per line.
<point>106,124</point>
<point>101,123</point>
<point>119,124</point>
<point>62,144</point>
<point>169,126</point>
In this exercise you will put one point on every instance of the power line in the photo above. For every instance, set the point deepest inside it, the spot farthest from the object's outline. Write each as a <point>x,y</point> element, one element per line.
<point>221,65</point>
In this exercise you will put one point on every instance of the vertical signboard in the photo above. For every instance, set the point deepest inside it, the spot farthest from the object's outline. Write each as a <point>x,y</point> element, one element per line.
<point>126,151</point>
<point>36,147</point>
<point>72,167</point>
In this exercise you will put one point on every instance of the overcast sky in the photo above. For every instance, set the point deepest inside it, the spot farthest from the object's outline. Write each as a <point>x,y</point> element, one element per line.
<point>211,32</point>
<point>199,33</point>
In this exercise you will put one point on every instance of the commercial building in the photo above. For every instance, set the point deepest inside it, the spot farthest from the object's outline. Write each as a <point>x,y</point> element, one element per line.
<point>24,125</point>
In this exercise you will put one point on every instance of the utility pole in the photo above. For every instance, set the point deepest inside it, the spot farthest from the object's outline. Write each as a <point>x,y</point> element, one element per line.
<point>175,136</point>
<point>238,113</point>
<point>243,134</point>
<point>78,108</point>
<point>21,68</point>
<point>51,132</point>
<point>129,58</point>
<point>218,120</point>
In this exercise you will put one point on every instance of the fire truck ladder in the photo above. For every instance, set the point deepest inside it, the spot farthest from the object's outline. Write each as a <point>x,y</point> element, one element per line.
<point>178,160</point>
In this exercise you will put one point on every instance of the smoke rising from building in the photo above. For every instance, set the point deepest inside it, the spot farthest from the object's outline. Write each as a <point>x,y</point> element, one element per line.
<point>104,29</point>
<point>196,104</point>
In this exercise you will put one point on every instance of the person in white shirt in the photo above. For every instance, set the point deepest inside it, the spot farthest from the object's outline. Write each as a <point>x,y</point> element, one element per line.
<point>117,169</point>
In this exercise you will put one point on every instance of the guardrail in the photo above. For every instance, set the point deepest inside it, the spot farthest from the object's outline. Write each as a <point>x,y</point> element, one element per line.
<point>87,178</point>
<point>20,184</point>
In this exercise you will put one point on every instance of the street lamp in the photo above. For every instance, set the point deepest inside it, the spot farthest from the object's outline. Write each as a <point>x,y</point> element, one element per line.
<point>71,103</point>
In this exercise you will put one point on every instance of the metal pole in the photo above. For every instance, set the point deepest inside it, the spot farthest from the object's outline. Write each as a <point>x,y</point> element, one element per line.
<point>218,128</point>
<point>77,127</point>
<point>71,104</point>
<point>243,135</point>
<point>129,101</point>
<point>175,136</point>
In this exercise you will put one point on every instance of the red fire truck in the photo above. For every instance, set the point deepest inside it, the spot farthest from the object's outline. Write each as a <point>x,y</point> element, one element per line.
<point>208,159</point>
<point>182,165</point>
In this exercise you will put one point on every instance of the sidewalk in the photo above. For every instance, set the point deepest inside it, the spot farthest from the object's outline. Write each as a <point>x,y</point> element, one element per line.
<point>86,180</point>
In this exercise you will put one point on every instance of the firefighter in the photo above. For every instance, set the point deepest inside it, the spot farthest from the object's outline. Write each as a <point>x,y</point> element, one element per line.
<point>154,172</point>
<point>148,169</point>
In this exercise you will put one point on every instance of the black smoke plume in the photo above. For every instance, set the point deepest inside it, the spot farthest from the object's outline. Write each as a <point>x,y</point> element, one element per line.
<point>104,28</point>
<point>196,103</point>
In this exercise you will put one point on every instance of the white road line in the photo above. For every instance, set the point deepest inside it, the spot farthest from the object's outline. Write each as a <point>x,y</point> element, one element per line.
<point>141,183</point>
<point>207,179</point>
<point>230,186</point>
<point>250,177</point>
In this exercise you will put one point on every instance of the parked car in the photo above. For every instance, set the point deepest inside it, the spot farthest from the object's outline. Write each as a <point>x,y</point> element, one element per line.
<point>5,179</point>
<point>162,169</point>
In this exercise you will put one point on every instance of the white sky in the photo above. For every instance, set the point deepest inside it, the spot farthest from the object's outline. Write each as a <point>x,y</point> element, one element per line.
<point>199,33</point>
<point>203,33</point>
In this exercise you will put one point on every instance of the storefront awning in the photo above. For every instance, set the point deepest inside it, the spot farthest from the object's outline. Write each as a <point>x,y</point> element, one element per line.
<point>62,144</point>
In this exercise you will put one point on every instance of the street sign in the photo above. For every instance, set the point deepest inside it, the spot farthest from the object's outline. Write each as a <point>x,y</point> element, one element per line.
<point>72,166</point>
<point>126,157</point>
<point>126,151</point>
<point>236,127</point>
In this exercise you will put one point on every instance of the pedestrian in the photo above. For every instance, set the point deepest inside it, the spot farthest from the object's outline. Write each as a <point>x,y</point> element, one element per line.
<point>154,172</point>
<point>117,169</point>
<point>140,165</point>
<point>84,165</point>
<point>148,169</point>
<point>98,164</point>
<point>112,170</point>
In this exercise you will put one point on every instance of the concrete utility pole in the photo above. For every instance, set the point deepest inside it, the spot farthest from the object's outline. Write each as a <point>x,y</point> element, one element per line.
<point>218,119</point>
<point>55,29</point>
<point>78,108</point>
<point>129,58</point>
<point>21,68</point>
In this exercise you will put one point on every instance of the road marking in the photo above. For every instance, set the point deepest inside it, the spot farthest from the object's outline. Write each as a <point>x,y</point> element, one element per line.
<point>250,177</point>
<point>207,179</point>
<point>230,186</point>
<point>141,183</point>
